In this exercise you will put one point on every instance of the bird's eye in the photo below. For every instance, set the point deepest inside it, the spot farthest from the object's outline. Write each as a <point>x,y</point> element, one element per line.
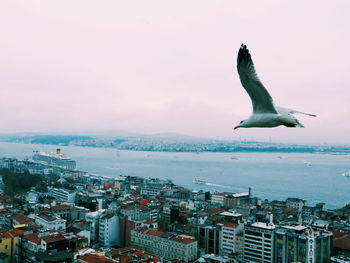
<point>241,122</point>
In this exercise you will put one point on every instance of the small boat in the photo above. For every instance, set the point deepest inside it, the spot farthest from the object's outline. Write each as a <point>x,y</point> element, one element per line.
<point>346,174</point>
<point>199,181</point>
<point>307,163</point>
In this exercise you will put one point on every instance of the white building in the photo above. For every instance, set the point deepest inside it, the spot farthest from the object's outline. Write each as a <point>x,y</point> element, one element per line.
<point>109,231</point>
<point>138,212</point>
<point>64,195</point>
<point>228,234</point>
<point>296,203</point>
<point>50,222</point>
<point>218,198</point>
<point>259,242</point>
<point>94,218</point>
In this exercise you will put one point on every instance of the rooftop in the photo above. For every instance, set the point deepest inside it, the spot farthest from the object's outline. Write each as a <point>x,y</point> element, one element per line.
<point>227,213</point>
<point>155,233</point>
<point>229,224</point>
<point>296,228</point>
<point>263,225</point>
<point>21,219</point>
<point>61,207</point>
<point>241,194</point>
<point>47,217</point>
<point>183,239</point>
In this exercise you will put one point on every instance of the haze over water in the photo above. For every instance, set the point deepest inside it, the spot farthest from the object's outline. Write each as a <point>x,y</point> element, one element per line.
<point>271,175</point>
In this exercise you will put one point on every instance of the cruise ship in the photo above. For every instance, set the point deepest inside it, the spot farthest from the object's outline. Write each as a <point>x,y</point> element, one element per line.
<point>54,159</point>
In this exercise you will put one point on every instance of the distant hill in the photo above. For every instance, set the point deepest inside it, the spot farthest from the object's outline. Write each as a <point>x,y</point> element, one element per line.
<point>167,142</point>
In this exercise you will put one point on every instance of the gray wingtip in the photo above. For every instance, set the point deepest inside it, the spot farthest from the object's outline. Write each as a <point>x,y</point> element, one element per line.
<point>243,54</point>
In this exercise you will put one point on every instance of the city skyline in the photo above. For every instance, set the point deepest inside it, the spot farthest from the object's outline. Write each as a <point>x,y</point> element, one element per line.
<point>161,67</point>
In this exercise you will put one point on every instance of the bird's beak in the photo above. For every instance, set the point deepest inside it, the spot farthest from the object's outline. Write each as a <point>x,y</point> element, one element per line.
<point>236,127</point>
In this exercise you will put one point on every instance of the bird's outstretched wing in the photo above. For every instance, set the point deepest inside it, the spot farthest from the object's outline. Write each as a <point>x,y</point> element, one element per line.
<point>260,97</point>
<point>290,111</point>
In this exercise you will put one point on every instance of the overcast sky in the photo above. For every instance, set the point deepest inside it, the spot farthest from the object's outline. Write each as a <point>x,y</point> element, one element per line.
<point>170,66</point>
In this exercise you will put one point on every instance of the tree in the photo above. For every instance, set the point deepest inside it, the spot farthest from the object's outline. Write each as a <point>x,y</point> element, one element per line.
<point>41,187</point>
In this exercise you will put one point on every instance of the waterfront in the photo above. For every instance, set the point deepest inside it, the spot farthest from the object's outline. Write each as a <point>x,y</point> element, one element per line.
<point>315,177</point>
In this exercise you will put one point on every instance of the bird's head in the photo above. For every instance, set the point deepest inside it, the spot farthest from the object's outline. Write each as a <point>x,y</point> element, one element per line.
<point>240,125</point>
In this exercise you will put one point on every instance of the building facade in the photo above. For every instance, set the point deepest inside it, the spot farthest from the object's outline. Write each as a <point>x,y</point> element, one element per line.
<point>166,245</point>
<point>302,244</point>
<point>229,232</point>
<point>109,231</point>
<point>65,195</point>
<point>50,222</point>
<point>259,242</point>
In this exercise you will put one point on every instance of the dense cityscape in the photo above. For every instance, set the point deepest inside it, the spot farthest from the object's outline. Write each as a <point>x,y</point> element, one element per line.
<point>51,212</point>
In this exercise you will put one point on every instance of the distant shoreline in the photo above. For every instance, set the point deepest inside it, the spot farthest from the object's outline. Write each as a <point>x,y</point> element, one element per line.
<point>174,145</point>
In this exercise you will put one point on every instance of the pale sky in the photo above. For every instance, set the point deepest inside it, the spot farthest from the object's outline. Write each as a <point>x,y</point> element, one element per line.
<point>170,66</point>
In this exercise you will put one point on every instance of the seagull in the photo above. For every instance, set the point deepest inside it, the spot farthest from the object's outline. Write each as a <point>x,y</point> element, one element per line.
<point>265,113</point>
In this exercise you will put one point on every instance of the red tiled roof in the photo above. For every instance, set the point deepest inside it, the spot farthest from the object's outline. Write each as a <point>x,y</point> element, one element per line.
<point>220,194</point>
<point>141,229</point>
<point>342,241</point>
<point>21,218</point>
<point>61,207</point>
<point>30,236</point>
<point>47,217</point>
<point>229,224</point>
<point>214,218</point>
<point>52,239</point>
<point>17,232</point>
<point>291,210</point>
<point>33,238</point>
<point>155,233</point>
<point>183,239</point>
<point>123,250</point>
<point>36,240</point>
<point>5,235</point>
<point>89,258</point>
<point>214,210</point>
<point>126,254</point>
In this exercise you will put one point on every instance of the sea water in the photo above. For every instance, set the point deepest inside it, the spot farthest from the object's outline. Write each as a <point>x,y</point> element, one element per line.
<point>272,176</point>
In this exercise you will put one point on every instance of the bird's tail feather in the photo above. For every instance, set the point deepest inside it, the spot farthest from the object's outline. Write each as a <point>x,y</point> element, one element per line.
<point>298,124</point>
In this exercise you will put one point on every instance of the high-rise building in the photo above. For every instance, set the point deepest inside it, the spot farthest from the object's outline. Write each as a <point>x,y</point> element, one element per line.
<point>259,242</point>
<point>109,230</point>
<point>228,234</point>
<point>94,219</point>
<point>210,239</point>
<point>302,244</point>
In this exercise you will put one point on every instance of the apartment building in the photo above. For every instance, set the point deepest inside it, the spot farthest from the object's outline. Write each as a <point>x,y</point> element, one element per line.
<point>65,195</point>
<point>50,222</point>
<point>166,245</point>
<point>228,234</point>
